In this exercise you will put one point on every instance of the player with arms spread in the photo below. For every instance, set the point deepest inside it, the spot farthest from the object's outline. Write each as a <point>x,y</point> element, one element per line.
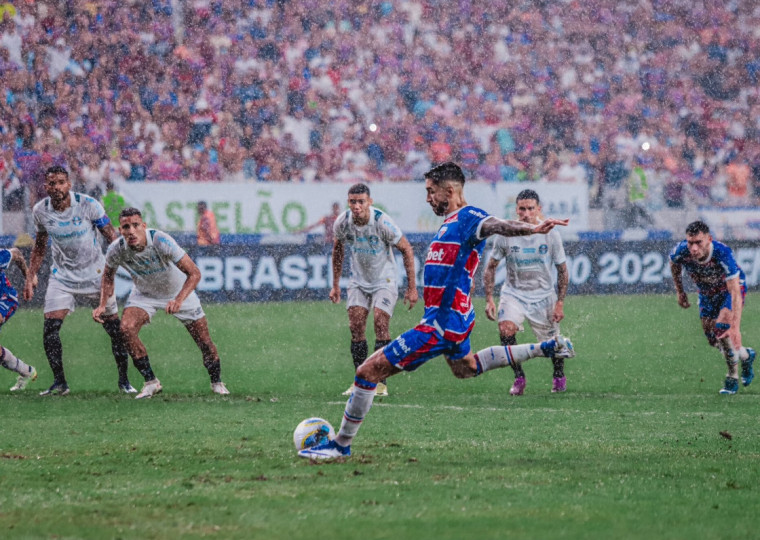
<point>449,317</point>
<point>528,291</point>
<point>8,305</point>
<point>370,235</point>
<point>164,278</point>
<point>70,219</point>
<point>722,288</point>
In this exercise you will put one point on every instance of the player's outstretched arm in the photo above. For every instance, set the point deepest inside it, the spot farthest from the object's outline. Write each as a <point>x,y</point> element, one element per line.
<point>35,261</point>
<point>676,270</point>
<point>193,273</point>
<point>510,227</point>
<point>407,254</point>
<point>107,286</point>
<point>338,253</point>
<point>489,279</point>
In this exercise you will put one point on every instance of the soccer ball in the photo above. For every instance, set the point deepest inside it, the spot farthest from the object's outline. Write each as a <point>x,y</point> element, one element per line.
<point>311,432</point>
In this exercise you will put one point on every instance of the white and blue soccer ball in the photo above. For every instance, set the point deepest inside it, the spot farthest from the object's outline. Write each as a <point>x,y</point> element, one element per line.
<point>311,432</point>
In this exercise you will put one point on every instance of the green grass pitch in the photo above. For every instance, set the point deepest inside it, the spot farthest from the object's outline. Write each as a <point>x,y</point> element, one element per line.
<point>633,449</point>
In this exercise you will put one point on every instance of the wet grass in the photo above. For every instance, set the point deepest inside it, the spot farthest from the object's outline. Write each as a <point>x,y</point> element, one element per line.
<point>641,445</point>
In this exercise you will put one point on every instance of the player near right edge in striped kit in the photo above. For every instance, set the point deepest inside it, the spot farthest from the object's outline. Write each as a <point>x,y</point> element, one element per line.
<point>449,317</point>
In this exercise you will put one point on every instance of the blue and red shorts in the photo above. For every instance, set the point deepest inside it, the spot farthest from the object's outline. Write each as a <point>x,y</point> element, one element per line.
<point>422,343</point>
<point>711,305</point>
<point>8,305</point>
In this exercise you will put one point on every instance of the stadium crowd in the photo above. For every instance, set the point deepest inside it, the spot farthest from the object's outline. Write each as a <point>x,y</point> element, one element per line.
<point>654,99</point>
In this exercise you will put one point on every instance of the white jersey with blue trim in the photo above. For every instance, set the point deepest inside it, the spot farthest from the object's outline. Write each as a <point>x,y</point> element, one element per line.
<point>154,269</point>
<point>530,262</point>
<point>373,265</point>
<point>77,256</point>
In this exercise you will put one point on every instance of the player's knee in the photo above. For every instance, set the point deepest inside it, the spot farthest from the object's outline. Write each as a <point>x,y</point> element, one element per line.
<point>508,328</point>
<point>129,328</point>
<point>462,370</point>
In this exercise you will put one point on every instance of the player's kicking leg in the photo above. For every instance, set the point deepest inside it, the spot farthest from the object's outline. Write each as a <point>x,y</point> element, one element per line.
<point>26,373</point>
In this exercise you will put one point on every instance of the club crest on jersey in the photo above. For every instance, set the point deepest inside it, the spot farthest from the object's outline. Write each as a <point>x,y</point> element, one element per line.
<point>76,221</point>
<point>543,249</point>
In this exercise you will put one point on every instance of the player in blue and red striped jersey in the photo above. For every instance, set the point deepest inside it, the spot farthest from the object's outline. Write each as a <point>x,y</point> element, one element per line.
<point>721,285</point>
<point>8,305</point>
<point>449,317</point>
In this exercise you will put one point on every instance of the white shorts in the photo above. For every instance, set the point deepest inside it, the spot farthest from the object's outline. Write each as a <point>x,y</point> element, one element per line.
<point>382,299</point>
<point>190,310</point>
<point>539,314</point>
<point>58,297</point>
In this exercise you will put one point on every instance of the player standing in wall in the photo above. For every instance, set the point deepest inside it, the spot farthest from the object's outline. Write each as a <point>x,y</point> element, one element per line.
<point>449,317</point>
<point>722,288</point>
<point>164,278</point>
<point>70,219</point>
<point>370,235</point>
<point>528,291</point>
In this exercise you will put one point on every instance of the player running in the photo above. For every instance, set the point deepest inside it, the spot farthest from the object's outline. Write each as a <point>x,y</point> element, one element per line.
<point>70,220</point>
<point>370,235</point>
<point>721,286</point>
<point>528,291</point>
<point>164,278</point>
<point>8,305</point>
<point>449,317</point>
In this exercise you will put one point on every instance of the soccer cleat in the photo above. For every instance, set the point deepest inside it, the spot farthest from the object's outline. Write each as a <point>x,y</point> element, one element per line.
<point>349,391</point>
<point>127,388</point>
<point>328,450</point>
<point>381,390</point>
<point>59,389</point>
<point>150,389</point>
<point>23,380</point>
<point>731,386</point>
<point>219,388</point>
<point>518,387</point>
<point>558,347</point>
<point>747,372</point>
<point>559,384</point>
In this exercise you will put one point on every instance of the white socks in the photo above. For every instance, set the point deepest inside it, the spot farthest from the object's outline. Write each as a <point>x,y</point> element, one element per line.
<point>357,407</point>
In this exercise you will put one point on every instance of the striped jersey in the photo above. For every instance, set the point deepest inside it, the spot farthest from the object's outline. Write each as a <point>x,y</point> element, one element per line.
<point>710,277</point>
<point>77,255</point>
<point>6,289</point>
<point>450,266</point>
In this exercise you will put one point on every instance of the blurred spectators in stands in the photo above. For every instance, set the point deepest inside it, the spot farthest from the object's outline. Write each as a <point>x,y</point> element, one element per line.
<point>261,90</point>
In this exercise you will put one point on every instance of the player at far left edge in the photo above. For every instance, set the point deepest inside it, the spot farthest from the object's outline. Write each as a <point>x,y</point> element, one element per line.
<point>70,220</point>
<point>722,288</point>
<point>450,266</point>
<point>8,305</point>
<point>164,278</point>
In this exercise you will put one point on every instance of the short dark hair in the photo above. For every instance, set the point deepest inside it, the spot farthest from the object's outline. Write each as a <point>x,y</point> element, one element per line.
<point>130,211</point>
<point>56,169</point>
<point>202,204</point>
<point>696,227</point>
<point>445,172</point>
<point>358,189</point>
<point>528,194</point>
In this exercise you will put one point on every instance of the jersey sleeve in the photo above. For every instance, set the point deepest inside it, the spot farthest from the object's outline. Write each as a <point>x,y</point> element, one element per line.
<point>499,248</point>
<point>725,257</point>
<point>5,259</point>
<point>390,231</point>
<point>167,247</point>
<point>679,253</point>
<point>471,219</point>
<point>338,228</point>
<point>113,253</point>
<point>557,248</point>
<point>96,213</point>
